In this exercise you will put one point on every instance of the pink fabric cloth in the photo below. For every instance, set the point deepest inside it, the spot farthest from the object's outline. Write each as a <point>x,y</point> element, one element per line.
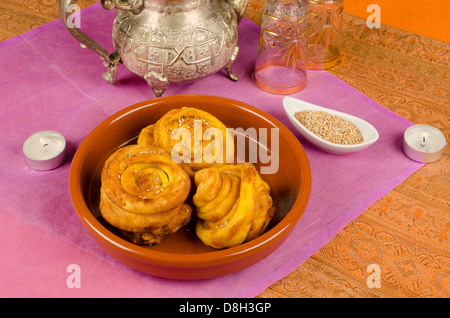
<point>47,82</point>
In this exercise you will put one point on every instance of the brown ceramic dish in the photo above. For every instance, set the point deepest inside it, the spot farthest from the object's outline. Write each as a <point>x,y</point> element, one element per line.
<point>182,255</point>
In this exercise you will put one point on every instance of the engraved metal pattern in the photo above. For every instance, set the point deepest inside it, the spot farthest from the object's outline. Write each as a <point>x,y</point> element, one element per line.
<point>170,41</point>
<point>134,6</point>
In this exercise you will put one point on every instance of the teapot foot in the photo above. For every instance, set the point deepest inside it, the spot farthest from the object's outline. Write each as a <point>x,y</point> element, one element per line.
<point>110,76</point>
<point>232,76</point>
<point>229,65</point>
<point>158,83</point>
<point>158,92</point>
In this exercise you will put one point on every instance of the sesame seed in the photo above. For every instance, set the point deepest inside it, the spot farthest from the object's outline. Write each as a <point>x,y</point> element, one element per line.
<point>329,127</point>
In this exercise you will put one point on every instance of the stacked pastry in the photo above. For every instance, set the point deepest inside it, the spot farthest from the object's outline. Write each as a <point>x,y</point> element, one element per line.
<point>144,191</point>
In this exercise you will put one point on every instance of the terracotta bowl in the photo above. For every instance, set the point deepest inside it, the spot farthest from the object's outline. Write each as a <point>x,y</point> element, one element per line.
<point>182,255</point>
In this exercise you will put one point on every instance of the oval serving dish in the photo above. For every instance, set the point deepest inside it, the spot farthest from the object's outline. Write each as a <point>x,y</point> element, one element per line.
<point>182,255</point>
<point>369,133</point>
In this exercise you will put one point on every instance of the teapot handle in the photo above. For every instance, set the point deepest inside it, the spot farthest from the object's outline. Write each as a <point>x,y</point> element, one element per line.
<point>109,60</point>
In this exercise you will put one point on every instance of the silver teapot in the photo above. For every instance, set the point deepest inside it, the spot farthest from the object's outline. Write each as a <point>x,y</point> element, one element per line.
<point>167,41</point>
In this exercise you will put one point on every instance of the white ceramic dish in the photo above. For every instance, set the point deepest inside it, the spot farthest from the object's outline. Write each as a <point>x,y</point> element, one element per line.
<point>369,133</point>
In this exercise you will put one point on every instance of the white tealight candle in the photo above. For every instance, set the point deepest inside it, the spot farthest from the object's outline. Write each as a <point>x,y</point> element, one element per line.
<point>423,143</point>
<point>45,150</point>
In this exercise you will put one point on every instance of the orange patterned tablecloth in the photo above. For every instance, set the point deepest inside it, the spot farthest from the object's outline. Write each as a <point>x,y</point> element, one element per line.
<point>406,233</point>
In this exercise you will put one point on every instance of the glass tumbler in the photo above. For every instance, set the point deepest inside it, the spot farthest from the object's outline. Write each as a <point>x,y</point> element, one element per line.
<point>324,32</point>
<point>280,66</point>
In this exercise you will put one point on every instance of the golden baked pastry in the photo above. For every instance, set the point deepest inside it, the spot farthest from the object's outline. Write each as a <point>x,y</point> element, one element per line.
<point>196,137</point>
<point>143,193</point>
<point>146,136</point>
<point>233,205</point>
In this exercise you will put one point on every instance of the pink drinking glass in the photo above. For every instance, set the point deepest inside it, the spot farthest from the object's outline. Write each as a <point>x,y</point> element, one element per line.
<point>280,66</point>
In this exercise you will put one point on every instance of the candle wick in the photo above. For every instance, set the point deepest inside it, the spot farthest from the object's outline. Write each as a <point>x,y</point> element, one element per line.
<point>424,136</point>
<point>45,145</point>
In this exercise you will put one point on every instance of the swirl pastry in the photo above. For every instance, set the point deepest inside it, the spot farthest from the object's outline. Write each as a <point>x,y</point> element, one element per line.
<point>194,136</point>
<point>233,205</point>
<point>143,193</point>
<point>146,136</point>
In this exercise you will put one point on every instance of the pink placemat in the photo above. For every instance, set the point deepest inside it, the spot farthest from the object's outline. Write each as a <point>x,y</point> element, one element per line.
<point>47,82</point>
